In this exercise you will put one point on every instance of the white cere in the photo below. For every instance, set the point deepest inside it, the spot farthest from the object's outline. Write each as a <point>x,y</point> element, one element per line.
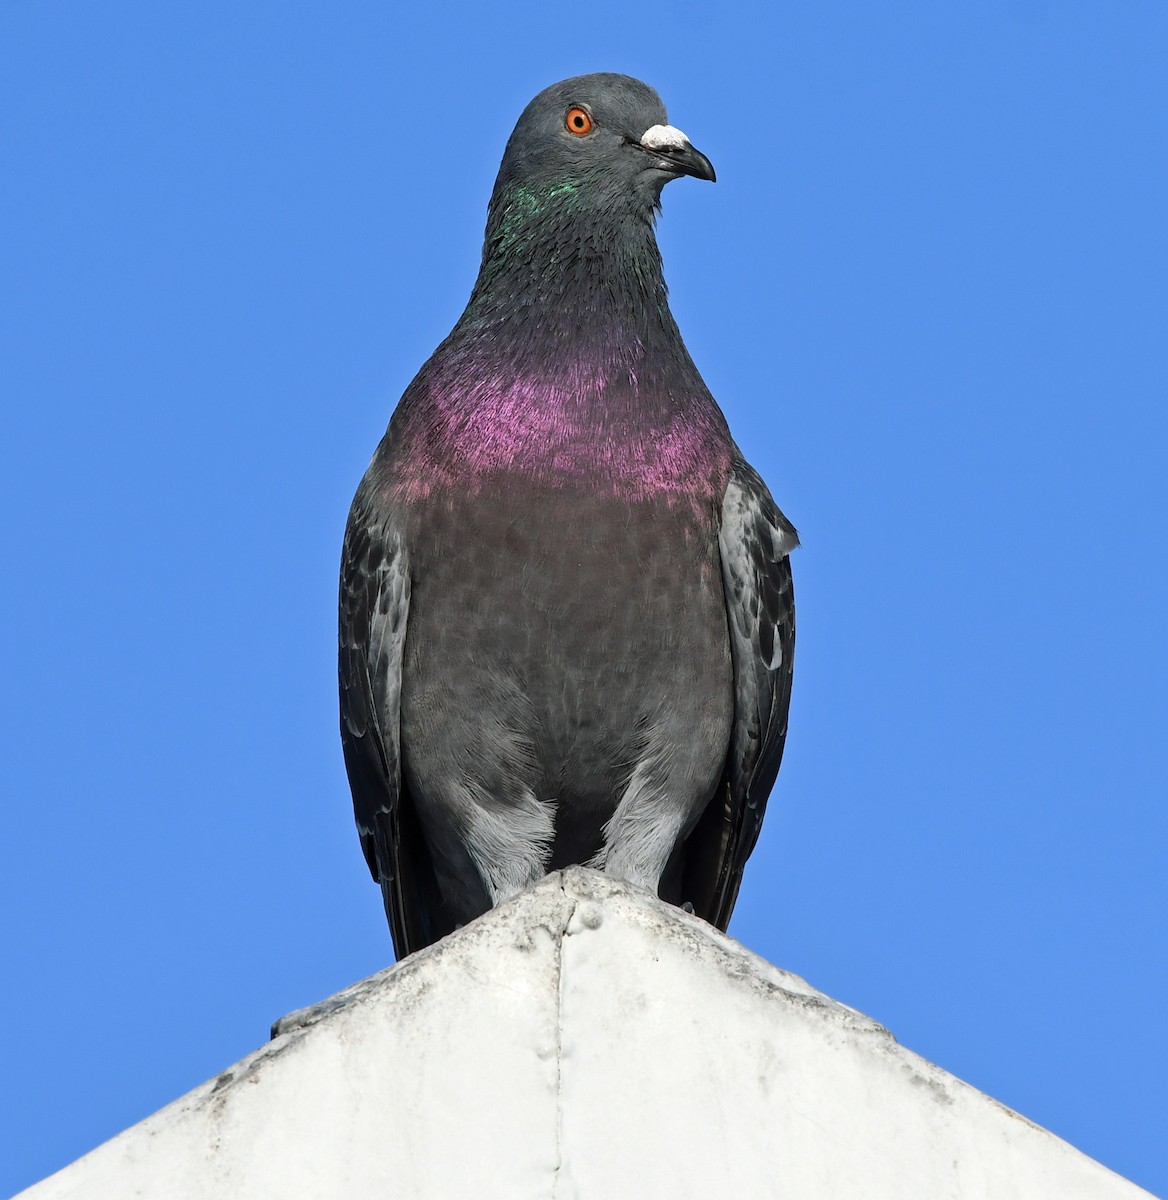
<point>664,137</point>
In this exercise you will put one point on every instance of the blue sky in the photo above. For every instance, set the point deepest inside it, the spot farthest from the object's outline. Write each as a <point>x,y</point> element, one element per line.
<point>930,290</point>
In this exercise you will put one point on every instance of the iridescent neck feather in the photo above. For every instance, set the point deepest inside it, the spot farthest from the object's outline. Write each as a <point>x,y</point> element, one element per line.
<point>566,366</point>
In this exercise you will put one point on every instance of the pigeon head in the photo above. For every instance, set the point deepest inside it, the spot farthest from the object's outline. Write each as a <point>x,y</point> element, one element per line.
<point>570,222</point>
<point>604,136</point>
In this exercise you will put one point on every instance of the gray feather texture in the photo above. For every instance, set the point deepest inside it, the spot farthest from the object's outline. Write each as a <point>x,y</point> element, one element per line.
<point>566,610</point>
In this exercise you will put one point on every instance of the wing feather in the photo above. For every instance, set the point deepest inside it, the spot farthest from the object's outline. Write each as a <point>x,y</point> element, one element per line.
<point>754,543</point>
<point>373,611</point>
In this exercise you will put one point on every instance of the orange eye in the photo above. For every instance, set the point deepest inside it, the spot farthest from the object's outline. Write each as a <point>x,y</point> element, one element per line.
<point>578,121</point>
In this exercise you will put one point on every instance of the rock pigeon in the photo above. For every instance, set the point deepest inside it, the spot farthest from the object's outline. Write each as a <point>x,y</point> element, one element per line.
<point>566,614</point>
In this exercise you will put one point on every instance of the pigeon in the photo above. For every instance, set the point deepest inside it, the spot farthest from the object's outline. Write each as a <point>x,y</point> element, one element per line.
<point>566,613</point>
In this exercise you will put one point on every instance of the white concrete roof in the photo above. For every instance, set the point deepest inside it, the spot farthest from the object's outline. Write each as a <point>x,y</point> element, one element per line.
<point>584,1041</point>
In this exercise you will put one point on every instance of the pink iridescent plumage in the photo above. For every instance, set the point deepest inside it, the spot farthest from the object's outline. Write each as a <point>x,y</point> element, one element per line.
<point>584,423</point>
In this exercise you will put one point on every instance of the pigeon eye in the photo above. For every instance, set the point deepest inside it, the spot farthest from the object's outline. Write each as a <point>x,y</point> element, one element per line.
<point>578,121</point>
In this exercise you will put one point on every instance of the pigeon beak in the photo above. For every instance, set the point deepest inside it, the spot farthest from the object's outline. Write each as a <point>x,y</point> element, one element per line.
<point>674,152</point>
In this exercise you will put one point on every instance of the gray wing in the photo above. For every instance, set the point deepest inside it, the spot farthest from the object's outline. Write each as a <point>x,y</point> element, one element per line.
<point>754,542</point>
<point>374,605</point>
